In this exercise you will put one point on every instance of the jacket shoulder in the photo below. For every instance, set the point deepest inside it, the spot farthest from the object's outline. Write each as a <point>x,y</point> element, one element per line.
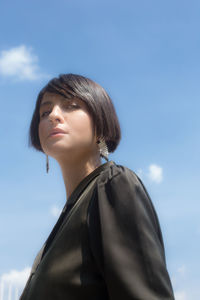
<point>116,173</point>
<point>116,170</point>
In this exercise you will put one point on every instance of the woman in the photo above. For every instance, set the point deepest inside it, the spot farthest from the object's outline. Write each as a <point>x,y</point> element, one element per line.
<point>107,242</point>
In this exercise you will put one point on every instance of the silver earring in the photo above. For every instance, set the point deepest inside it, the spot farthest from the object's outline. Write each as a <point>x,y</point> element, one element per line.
<point>103,149</point>
<point>47,163</point>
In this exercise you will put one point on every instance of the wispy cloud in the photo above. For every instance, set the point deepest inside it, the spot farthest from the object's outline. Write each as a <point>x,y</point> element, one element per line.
<point>186,286</point>
<point>55,211</point>
<point>182,270</point>
<point>180,295</point>
<point>12,283</point>
<point>20,63</point>
<point>155,173</point>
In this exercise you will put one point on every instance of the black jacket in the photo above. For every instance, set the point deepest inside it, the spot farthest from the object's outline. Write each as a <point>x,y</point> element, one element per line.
<point>107,244</point>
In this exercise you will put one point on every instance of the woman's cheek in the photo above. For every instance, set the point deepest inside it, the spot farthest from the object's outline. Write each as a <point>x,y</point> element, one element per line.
<point>41,132</point>
<point>85,124</point>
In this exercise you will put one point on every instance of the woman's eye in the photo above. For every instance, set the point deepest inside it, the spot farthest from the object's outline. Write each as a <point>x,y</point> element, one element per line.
<point>44,114</point>
<point>72,106</point>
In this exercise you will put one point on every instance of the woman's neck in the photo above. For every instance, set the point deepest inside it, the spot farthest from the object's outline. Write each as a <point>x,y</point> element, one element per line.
<point>73,173</point>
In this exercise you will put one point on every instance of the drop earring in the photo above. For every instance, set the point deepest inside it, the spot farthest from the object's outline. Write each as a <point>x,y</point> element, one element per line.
<point>47,163</point>
<point>103,149</point>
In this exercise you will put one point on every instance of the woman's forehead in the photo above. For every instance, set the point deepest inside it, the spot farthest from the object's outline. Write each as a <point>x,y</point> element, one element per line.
<point>51,98</point>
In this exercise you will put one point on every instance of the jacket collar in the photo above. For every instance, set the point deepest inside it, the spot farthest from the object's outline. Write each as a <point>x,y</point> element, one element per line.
<point>84,183</point>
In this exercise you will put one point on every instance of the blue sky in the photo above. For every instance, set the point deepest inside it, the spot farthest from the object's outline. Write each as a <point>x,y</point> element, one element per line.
<point>146,55</point>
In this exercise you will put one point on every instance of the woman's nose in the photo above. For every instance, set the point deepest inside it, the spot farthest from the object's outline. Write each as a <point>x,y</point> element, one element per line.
<point>56,115</point>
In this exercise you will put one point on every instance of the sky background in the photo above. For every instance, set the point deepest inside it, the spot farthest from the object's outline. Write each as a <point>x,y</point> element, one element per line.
<point>146,54</point>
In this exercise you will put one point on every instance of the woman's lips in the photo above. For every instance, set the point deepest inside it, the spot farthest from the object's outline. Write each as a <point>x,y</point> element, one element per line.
<point>57,132</point>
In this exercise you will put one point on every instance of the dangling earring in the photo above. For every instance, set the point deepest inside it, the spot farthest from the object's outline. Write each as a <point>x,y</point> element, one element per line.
<point>47,163</point>
<point>103,149</point>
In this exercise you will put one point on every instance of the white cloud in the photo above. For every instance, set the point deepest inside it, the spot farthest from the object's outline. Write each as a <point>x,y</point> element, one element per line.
<point>19,63</point>
<point>15,277</point>
<point>179,276</point>
<point>155,173</point>
<point>182,270</point>
<point>186,285</point>
<point>55,211</point>
<point>180,295</point>
<point>12,283</point>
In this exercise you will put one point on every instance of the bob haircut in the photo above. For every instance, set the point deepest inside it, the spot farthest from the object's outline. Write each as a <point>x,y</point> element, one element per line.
<point>99,105</point>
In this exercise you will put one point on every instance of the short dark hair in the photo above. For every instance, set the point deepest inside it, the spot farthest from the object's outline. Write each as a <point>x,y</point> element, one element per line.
<point>98,102</point>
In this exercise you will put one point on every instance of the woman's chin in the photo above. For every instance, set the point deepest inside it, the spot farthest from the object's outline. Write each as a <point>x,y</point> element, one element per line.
<point>58,149</point>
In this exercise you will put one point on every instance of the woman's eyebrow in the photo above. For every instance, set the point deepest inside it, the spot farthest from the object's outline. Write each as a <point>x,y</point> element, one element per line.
<point>45,103</point>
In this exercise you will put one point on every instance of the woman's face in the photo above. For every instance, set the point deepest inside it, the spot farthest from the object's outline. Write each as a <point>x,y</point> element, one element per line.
<point>66,127</point>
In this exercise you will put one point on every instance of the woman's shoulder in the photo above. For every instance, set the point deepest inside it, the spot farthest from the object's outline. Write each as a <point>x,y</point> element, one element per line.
<point>117,172</point>
<point>120,178</point>
<point>123,187</point>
